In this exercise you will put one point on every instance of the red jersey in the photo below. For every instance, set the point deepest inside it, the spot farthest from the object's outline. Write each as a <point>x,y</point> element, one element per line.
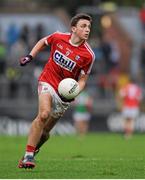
<point>132,95</point>
<point>66,60</point>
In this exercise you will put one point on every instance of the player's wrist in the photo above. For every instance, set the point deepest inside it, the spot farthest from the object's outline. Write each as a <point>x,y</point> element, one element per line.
<point>25,60</point>
<point>30,57</point>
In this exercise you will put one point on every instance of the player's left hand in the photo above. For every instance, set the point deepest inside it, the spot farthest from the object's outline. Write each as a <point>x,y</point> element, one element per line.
<point>25,60</point>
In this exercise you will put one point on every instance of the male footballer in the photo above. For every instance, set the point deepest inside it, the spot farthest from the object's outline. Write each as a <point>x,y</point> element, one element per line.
<point>70,57</point>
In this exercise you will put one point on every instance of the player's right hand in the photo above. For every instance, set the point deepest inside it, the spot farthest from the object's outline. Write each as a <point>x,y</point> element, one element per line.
<point>64,99</point>
<point>25,60</point>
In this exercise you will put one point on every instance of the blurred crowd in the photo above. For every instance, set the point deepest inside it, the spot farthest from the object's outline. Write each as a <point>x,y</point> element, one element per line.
<point>18,43</point>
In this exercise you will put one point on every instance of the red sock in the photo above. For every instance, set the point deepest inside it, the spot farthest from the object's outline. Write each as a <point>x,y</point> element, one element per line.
<point>30,148</point>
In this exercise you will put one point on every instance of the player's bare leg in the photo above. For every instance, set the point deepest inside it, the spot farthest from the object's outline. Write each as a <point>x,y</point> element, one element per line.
<point>45,135</point>
<point>129,128</point>
<point>81,127</point>
<point>36,130</point>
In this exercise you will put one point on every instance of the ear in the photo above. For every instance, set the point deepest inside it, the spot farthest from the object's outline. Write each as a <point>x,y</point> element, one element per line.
<point>73,28</point>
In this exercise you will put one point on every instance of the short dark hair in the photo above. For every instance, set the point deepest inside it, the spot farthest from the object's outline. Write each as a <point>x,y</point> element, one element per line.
<point>77,17</point>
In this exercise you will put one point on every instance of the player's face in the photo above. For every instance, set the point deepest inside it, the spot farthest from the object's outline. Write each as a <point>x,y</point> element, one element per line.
<point>82,29</point>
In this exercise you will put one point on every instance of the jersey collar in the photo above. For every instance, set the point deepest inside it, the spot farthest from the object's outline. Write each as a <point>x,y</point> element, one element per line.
<point>75,44</point>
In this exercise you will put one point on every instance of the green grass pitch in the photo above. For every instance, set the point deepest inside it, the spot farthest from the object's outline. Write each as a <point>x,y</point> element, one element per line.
<point>96,156</point>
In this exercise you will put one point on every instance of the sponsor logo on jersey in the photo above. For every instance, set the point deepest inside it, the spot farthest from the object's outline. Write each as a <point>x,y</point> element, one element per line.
<point>67,53</point>
<point>63,61</point>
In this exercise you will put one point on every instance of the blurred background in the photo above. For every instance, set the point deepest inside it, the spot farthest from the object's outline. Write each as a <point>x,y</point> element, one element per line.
<point>117,39</point>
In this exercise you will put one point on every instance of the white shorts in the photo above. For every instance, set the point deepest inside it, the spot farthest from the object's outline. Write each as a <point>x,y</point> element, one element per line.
<point>130,112</point>
<point>81,116</point>
<point>58,106</point>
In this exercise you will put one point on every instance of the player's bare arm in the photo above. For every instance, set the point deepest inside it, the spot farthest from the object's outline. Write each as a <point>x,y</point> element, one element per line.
<point>41,44</point>
<point>38,47</point>
<point>82,81</point>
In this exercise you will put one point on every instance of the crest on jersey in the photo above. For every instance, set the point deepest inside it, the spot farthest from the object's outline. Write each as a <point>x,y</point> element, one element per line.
<point>67,53</point>
<point>77,57</point>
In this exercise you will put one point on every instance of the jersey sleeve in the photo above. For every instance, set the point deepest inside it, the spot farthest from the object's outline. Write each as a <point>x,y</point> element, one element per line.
<point>86,69</point>
<point>49,39</point>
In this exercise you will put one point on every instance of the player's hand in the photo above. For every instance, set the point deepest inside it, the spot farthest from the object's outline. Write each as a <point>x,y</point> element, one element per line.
<point>65,100</point>
<point>25,60</point>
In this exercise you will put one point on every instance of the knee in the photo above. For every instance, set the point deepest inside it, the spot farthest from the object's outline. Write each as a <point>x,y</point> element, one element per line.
<point>44,115</point>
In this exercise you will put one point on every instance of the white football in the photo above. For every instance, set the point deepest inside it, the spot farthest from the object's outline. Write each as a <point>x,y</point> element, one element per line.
<point>68,88</point>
